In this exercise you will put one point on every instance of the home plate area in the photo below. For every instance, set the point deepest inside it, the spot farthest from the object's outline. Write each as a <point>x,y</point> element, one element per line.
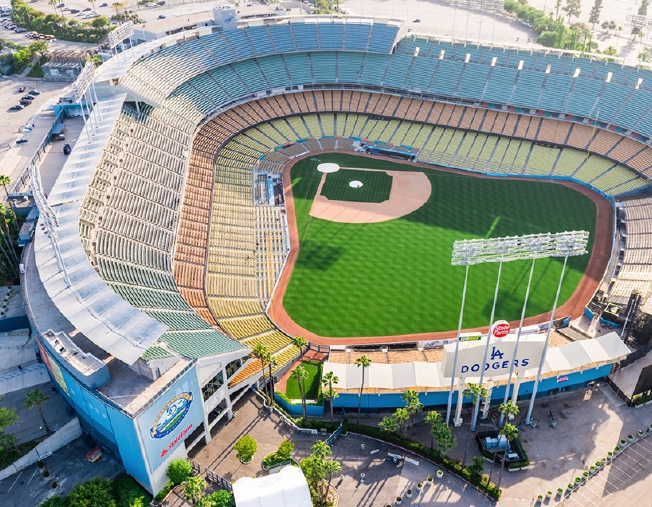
<point>364,196</point>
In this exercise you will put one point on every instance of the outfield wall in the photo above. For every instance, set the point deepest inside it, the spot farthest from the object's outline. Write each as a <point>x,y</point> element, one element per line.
<point>552,385</point>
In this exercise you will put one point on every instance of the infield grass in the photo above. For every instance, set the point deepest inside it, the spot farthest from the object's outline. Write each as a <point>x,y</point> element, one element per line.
<point>395,277</point>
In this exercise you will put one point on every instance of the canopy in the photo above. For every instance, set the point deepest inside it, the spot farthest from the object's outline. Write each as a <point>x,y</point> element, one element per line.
<point>574,356</point>
<point>288,488</point>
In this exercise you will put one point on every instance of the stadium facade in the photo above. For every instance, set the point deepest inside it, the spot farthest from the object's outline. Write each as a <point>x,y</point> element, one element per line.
<point>141,283</point>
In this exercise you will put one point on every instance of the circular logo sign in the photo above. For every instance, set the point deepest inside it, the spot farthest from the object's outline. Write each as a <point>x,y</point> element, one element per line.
<point>500,329</point>
<point>171,415</point>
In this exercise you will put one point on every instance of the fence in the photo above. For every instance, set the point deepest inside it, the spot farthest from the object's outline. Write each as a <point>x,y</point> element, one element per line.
<point>211,476</point>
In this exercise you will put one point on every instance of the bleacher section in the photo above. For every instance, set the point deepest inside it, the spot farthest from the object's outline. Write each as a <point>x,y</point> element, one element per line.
<point>228,249</point>
<point>635,259</point>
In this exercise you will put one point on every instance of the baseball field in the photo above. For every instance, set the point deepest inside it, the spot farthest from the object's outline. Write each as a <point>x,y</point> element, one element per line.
<point>392,275</point>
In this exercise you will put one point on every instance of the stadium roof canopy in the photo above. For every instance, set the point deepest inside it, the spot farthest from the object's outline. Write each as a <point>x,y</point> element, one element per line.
<point>564,359</point>
<point>70,280</point>
<point>288,488</point>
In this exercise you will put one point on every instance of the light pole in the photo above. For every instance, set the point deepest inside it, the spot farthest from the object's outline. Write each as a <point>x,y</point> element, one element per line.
<point>570,244</point>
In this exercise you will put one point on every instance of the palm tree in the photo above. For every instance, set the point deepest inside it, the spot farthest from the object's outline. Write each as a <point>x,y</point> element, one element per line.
<point>4,182</point>
<point>433,419</point>
<point>271,364</point>
<point>412,404</point>
<point>511,433</point>
<point>36,398</point>
<point>299,342</point>
<point>476,392</point>
<point>300,374</point>
<point>261,352</point>
<point>330,467</point>
<point>329,379</point>
<point>363,361</point>
<point>505,409</point>
<point>8,232</point>
<point>389,424</point>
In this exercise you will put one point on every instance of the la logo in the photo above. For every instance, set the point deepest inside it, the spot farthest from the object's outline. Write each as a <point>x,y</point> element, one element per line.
<point>496,353</point>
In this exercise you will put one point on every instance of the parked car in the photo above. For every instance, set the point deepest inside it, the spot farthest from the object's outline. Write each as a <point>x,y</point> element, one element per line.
<point>18,29</point>
<point>17,107</point>
<point>22,140</point>
<point>150,4</point>
<point>104,5</point>
<point>161,16</point>
<point>160,2</point>
<point>28,97</point>
<point>33,93</point>
<point>24,102</point>
<point>22,89</point>
<point>74,11</point>
<point>61,6</point>
<point>86,9</point>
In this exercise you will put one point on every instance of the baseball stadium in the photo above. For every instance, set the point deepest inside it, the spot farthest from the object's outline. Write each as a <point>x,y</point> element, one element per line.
<point>247,183</point>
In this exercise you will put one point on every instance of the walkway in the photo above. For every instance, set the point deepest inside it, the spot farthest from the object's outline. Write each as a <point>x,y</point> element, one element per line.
<point>384,480</point>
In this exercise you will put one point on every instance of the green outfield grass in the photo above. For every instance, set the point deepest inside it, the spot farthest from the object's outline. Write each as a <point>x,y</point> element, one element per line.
<point>395,277</point>
<point>312,382</point>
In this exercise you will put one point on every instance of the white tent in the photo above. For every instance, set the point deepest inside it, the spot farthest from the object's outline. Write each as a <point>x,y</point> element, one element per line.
<point>288,488</point>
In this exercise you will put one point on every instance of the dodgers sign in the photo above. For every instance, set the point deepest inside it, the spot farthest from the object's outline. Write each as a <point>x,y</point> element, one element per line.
<point>499,356</point>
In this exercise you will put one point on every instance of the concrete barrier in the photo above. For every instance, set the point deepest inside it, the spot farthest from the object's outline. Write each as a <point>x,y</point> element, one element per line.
<point>63,436</point>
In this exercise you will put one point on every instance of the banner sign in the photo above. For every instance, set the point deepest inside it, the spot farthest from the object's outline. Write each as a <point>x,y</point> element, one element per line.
<point>171,418</point>
<point>500,329</point>
<point>501,351</point>
<point>562,379</point>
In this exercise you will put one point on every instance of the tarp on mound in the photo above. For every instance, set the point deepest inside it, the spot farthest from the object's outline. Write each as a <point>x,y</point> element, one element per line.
<point>288,488</point>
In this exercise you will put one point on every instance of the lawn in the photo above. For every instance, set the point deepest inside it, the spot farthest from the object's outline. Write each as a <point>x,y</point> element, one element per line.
<point>395,277</point>
<point>376,186</point>
<point>312,382</point>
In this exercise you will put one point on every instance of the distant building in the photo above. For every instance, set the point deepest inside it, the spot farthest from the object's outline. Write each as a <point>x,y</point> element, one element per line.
<point>64,65</point>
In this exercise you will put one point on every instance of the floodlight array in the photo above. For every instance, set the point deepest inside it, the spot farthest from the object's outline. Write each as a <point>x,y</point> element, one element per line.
<point>469,252</point>
<point>84,79</point>
<point>122,32</point>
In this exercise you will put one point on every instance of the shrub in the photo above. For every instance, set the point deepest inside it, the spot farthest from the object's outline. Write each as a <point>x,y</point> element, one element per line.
<point>94,493</point>
<point>245,448</point>
<point>179,470</point>
<point>220,498</point>
<point>281,455</point>
<point>164,492</point>
<point>55,501</point>
<point>195,486</point>
<point>128,493</point>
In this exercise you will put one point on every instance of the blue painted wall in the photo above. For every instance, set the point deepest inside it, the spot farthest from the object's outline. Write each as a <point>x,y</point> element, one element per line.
<point>374,402</point>
<point>296,410</point>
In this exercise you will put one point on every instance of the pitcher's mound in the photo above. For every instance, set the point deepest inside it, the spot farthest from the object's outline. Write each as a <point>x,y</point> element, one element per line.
<point>410,191</point>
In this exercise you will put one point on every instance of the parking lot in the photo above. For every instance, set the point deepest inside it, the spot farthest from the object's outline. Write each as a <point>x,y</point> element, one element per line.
<point>622,482</point>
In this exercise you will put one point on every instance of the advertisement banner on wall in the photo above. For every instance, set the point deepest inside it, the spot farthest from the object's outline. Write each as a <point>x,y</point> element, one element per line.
<point>499,356</point>
<point>170,419</point>
<point>54,368</point>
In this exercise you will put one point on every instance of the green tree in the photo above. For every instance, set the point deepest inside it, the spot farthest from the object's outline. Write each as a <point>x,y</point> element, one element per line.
<point>557,6</point>
<point>402,416</point>
<point>285,449</point>
<point>362,362</point>
<point>476,467</point>
<point>476,392</point>
<point>412,404</point>
<point>573,9</point>
<point>94,493</point>
<point>389,424</point>
<point>594,15</point>
<point>245,448</point>
<point>319,471</point>
<point>8,416</point>
<point>300,374</point>
<point>511,433</point>
<point>37,398</point>
<point>55,501</point>
<point>300,343</point>
<point>194,489</point>
<point>179,470</point>
<point>220,498</point>
<point>505,410</point>
<point>271,364</point>
<point>261,352</point>
<point>432,419</point>
<point>443,437</point>
<point>330,379</point>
